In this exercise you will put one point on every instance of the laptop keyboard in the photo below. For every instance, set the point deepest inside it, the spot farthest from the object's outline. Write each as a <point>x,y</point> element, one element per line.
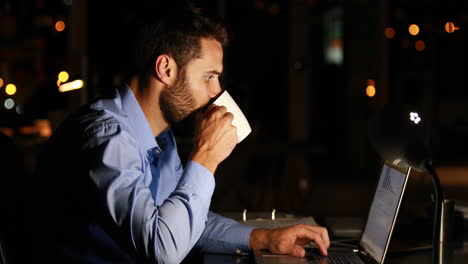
<point>334,257</point>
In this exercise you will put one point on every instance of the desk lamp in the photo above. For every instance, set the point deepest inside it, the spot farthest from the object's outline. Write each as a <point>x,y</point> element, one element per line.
<point>397,133</point>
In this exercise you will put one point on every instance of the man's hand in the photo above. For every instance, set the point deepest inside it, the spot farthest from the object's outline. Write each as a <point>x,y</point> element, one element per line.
<point>215,137</point>
<point>290,240</point>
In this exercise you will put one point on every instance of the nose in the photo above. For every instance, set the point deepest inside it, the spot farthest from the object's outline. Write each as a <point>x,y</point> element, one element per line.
<point>215,89</point>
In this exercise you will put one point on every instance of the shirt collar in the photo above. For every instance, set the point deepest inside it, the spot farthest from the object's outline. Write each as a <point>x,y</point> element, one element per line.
<point>136,117</point>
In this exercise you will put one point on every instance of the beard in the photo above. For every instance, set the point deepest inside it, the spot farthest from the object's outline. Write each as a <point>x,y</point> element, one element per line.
<point>177,101</point>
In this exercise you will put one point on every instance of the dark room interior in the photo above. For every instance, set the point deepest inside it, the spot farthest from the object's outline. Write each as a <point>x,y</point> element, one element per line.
<point>307,74</point>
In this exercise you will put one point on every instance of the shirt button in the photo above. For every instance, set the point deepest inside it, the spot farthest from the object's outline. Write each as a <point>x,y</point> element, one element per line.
<point>157,151</point>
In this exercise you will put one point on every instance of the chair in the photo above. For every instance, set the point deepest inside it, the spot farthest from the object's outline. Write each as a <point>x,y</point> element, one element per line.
<point>2,255</point>
<point>11,201</point>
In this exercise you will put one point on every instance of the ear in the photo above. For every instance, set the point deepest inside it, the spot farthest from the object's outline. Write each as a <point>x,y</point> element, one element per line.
<point>166,69</point>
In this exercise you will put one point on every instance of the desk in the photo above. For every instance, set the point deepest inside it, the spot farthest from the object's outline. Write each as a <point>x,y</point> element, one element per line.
<point>454,253</point>
<point>453,256</point>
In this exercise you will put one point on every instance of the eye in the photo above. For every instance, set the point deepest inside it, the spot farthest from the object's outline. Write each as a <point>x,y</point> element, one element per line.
<point>209,77</point>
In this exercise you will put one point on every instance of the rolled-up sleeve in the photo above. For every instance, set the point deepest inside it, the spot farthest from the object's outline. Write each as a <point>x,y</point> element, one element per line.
<point>164,233</point>
<point>224,235</point>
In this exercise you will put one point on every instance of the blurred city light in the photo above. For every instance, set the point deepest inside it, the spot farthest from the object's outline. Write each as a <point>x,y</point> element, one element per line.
<point>389,32</point>
<point>63,76</point>
<point>9,103</point>
<point>370,91</point>
<point>7,131</point>
<point>420,45</point>
<point>414,117</point>
<point>450,27</point>
<point>10,89</point>
<point>1,82</point>
<point>370,88</point>
<point>60,26</point>
<point>76,84</point>
<point>44,127</point>
<point>19,109</point>
<point>413,29</point>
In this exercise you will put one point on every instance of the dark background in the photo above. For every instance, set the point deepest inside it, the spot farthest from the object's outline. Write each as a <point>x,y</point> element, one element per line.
<point>308,153</point>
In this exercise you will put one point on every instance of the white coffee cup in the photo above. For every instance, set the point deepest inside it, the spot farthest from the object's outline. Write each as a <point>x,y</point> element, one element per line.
<point>239,121</point>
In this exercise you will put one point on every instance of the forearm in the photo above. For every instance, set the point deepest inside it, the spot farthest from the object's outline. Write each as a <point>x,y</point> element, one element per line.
<point>164,233</point>
<point>181,218</point>
<point>224,235</point>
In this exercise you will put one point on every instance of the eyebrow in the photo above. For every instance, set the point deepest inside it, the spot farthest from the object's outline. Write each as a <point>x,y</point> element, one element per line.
<point>214,72</point>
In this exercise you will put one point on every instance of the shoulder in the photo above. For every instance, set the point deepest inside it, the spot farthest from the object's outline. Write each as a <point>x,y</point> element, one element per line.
<point>89,127</point>
<point>88,121</point>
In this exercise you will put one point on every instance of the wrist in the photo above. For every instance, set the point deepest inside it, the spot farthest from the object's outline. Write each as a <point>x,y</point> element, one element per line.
<point>205,160</point>
<point>259,239</point>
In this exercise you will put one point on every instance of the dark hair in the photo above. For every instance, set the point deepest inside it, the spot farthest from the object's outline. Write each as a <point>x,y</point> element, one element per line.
<point>173,28</point>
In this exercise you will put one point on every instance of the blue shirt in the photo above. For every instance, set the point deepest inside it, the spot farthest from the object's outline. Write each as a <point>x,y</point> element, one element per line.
<point>111,192</point>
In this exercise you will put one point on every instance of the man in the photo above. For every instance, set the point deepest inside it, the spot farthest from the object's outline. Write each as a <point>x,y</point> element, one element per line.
<point>111,186</point>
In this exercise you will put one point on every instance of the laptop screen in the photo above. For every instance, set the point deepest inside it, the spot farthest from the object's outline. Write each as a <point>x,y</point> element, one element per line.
<point>383,211</point>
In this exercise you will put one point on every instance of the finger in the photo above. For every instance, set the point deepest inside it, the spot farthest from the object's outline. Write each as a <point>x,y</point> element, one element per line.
<point>218,112</point>
<point>212,114</point>
<point>325,237</point>
<point>323,233</point>
<point>314,235</point>
<point>210,110</point>
<point>297,251</point>
<point>234,133</point>
<point>229,117</point>
<point>221,110</point>
<point>321,245</point>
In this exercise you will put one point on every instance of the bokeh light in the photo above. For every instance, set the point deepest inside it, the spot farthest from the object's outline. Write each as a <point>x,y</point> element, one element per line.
<point>60,26</point>
<point>63,76</point>
<point>69,86</point>
<point>44,127</point>
<point>10,89</point>
<point>450,27</point>
<point>9,103</point>
<point>19,109</point>
<point>77,84</point>
<point>413,29</point>
<point>370,88</point>
<point>389,32</point>
<point>420,45</point>
<point>414,117</point>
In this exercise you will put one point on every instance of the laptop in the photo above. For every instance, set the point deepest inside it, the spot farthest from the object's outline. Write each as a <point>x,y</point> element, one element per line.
<point>375,236</point>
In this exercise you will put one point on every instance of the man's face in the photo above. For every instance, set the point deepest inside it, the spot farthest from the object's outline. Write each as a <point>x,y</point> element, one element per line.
<point>196,84</point>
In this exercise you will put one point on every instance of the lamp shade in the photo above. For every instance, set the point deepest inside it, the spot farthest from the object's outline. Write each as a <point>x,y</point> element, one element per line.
<point>397,133</point>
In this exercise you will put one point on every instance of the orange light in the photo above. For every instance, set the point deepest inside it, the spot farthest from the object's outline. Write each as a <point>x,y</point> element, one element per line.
<point>420,45</point>
<point>44,127</point>
<point>1,82</point>
<point>60,26</point>
<point>7,131</point>
<point>389,32</point>
<point>413,29</point>
<point>27,130</point>
<point>370,89</point>
<point>450,27</point>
